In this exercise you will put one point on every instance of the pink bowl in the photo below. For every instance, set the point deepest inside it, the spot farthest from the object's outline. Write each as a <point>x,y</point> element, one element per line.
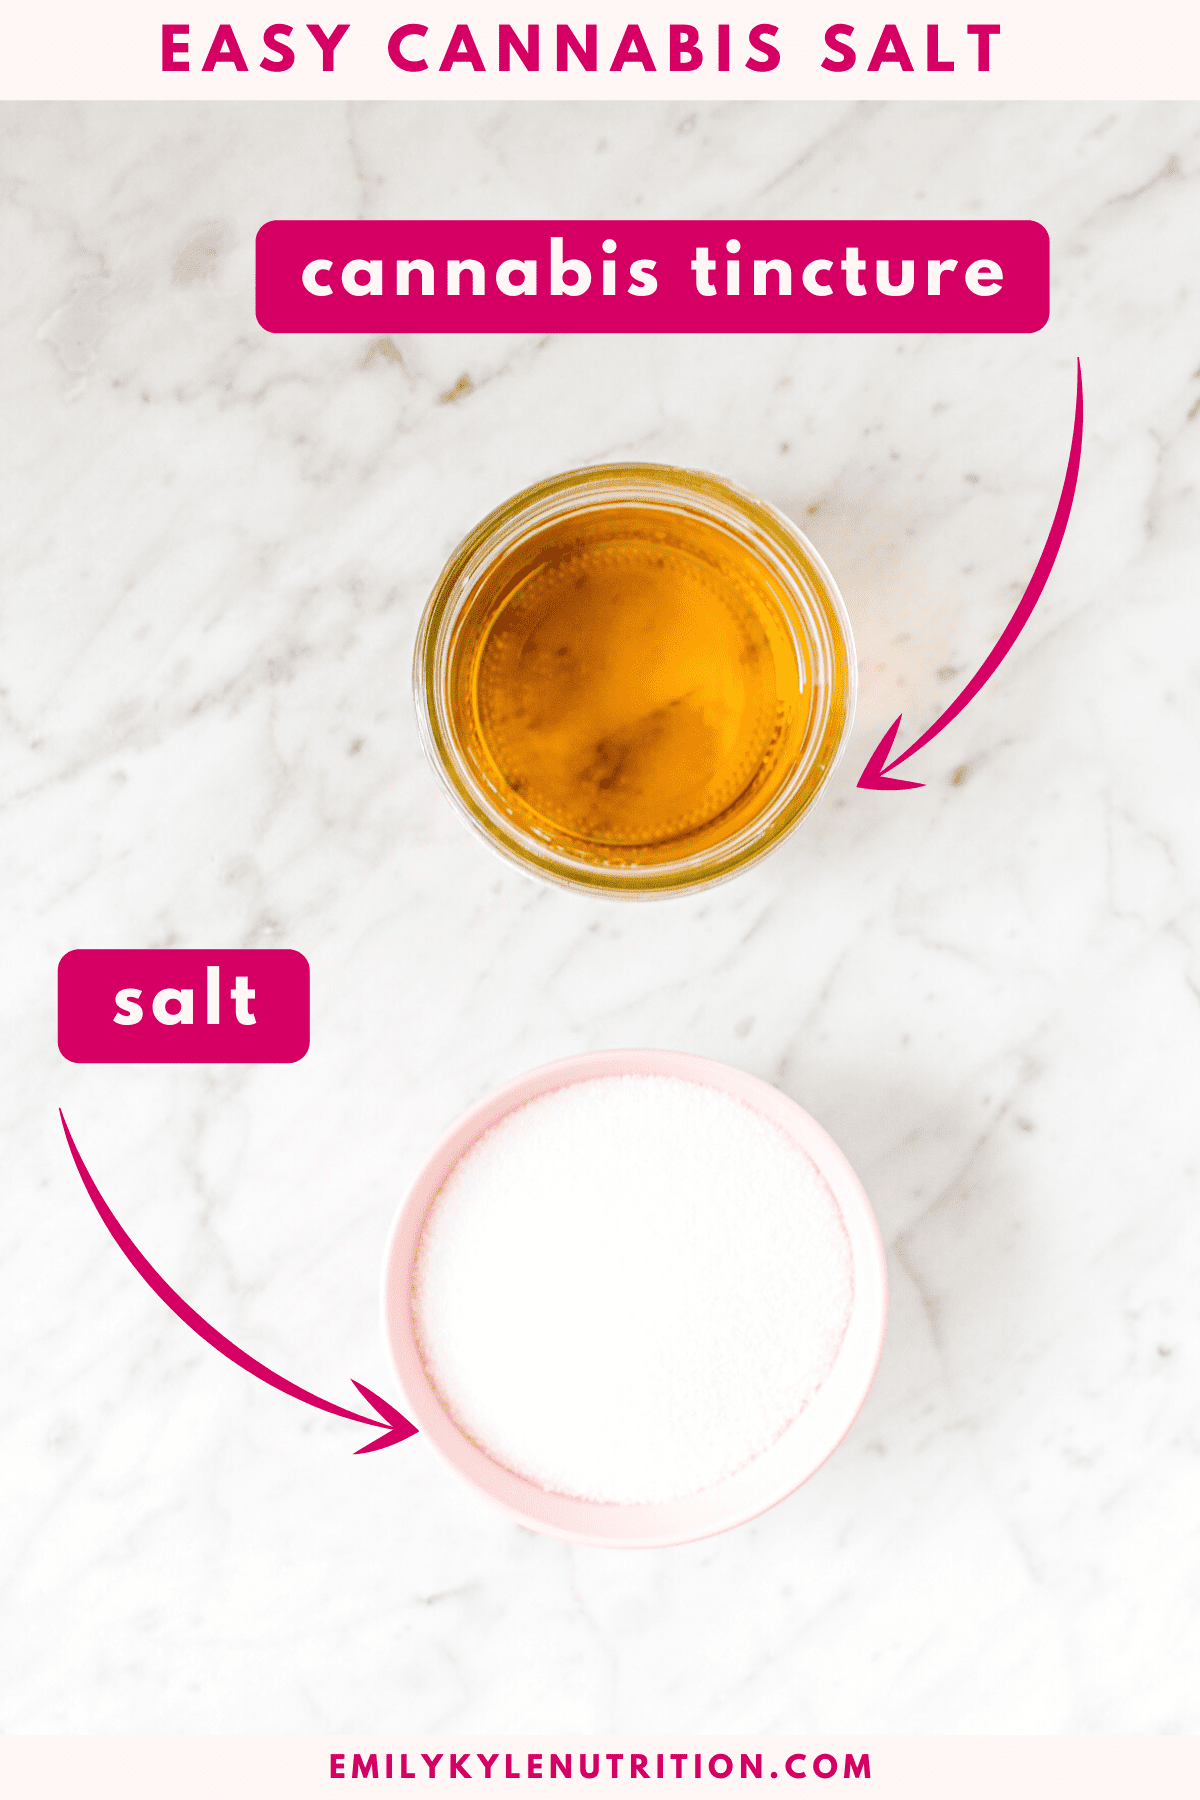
<point>789,1461</point>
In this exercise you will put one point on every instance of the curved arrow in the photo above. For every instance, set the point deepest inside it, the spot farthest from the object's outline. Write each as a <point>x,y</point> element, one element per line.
<point>876,773</point>
<point>398,1427</point>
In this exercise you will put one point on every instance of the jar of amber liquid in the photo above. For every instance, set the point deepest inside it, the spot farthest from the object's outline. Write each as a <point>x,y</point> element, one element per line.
<point>634,678</point>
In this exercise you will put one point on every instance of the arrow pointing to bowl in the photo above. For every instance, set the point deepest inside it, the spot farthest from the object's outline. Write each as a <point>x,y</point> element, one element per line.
<point>877,772</point>
<point>398,1427</point>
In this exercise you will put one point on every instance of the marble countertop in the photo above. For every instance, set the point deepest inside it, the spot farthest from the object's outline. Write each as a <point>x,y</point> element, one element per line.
<point>217,546</point>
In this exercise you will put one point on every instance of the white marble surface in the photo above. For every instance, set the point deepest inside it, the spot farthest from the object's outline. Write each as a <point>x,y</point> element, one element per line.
<point>217,545</point>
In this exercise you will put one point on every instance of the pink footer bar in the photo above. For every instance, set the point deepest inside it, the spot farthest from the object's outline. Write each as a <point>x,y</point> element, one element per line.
<point>833,1762</point>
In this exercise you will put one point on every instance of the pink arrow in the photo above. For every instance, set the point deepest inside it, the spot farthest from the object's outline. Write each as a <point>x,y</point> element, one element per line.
<point>398,1427</point>
<point>876,774</point>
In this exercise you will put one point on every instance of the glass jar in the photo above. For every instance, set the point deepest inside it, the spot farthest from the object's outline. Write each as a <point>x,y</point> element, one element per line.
<point>634,679</point>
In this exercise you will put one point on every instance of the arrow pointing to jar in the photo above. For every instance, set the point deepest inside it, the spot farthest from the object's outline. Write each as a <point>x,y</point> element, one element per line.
<point>877,772</point>
<point>398,1427</point>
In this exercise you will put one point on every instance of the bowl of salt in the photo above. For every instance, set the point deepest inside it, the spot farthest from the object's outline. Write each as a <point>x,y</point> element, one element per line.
<point>635,1298</point>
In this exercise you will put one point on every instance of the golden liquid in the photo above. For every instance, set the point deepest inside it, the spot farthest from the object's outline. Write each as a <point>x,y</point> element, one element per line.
<point>627,683</point>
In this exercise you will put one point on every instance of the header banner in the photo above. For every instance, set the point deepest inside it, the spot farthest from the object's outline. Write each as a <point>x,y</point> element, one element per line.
<point>1016,49</point>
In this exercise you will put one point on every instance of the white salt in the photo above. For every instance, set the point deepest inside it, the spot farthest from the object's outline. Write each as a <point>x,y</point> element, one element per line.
<point>628,1289</point>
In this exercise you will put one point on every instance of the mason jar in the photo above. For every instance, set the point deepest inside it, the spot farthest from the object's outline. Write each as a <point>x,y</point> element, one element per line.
<point>634,679</point>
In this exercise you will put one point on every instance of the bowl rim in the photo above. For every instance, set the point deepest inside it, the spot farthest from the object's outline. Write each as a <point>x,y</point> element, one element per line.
<point>778,1471</point>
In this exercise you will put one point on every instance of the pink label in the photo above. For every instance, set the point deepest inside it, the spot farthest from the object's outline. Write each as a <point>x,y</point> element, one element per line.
<point>183,1006</point>
<point>542,275</point>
